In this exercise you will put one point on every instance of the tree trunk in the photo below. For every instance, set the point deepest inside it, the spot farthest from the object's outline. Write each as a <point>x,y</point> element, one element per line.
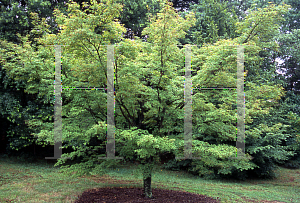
<point>147,187</point>
<point>148,166</point>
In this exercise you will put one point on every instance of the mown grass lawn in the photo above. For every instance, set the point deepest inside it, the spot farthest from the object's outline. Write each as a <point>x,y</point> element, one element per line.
<point>41,182</point>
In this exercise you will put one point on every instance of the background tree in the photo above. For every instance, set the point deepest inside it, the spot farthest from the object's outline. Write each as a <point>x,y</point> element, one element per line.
<point>16,104</point>
<point>135,15</point>
<point>183,5</point>
<point>292,17</point>
<point>290,55</point>
<point>214,21</point>
<point>15,17</point>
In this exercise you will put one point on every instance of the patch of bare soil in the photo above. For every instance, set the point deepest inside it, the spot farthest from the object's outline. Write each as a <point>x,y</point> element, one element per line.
<point>134,195</point>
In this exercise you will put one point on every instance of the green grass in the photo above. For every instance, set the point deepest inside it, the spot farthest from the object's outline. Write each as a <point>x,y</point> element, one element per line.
<point>40,182</point>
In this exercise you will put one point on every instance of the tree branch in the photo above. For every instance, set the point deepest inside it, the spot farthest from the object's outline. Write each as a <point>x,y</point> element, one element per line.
<point>126,117</point>
<point>248,38</point>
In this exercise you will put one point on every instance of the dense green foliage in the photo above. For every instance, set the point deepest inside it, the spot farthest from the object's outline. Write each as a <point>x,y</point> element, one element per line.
<point>17,105</point>
<point>214,21</point>
<point>149,85</point>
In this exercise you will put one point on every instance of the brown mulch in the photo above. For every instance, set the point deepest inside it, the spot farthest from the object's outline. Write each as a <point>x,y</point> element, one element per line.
<point>134,195</point>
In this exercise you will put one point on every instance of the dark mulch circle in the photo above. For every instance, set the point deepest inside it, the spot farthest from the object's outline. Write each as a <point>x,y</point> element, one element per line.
<point>134,195</point>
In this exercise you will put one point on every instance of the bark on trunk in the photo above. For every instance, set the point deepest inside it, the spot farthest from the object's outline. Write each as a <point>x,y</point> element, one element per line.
<point>147,177</point>
<point>147,187</point>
